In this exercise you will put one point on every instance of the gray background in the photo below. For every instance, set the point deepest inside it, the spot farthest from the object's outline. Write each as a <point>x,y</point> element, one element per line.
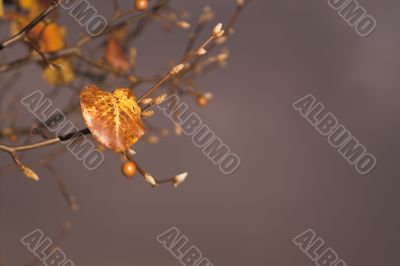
<point>290,178</point>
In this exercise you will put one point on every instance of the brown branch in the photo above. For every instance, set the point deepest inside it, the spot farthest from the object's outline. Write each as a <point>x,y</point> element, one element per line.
<point>72,204</point>
<point>41,54</point>
<point>12,151</point>
<point>110,28</point>
<point>178,68</point>
<point>108,68</point>
<point>229,29</point>
<point>38,58</point>
<point>176,180</point>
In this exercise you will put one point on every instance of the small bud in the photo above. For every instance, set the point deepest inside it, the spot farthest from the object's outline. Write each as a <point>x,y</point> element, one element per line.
<point>222,57</point>
<point>222,64</point>
<point>221,40</point>
<point>133,79</point>
<point>201,100</point>
<point>208,95</point>
<point>67,226</point>
<point>74,207</point>
<point>153,139</point>
<point>133,56</point>
<point>206,16</point>
<point>201,51</point>
<point>29,173</point>
<point>177,69</point>
<point>171,16</point>
<point>218,31</point>
<point>183,24</point>
<point>150,179</point>
<point>147,101</point>
<point>160,99</point>
<point>148,113</point>
<point>73,204</point>
<point>178,129</point>
<point>164,132</point>
<point>179,179</point>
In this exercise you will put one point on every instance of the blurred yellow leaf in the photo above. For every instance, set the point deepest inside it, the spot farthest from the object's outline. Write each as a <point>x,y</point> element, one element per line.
<point>115,55</point>
<point>61,75</point>
<point>1,8</point>
<point>50,37</point>
<point>34,7</point>
<point>114,119</point>
<point>114,52</point>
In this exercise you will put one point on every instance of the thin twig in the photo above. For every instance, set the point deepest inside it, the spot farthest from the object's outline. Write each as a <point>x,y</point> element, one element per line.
<point>175,70</point>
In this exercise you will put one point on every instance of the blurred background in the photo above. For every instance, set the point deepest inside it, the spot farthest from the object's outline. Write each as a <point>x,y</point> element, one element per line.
<point>289,180</point>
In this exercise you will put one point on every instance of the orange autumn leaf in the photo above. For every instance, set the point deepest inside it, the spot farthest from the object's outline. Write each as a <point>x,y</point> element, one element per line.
<point>1,8</point>
<point>50,37</point>
<point>115,55</point>
<point>114,119</point>
<point>34,7</point>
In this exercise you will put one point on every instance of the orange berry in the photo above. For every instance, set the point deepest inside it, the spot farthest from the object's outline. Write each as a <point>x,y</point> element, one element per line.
<point>13,138</point>
<point>129,169</point>
<point>141,4</point>
<point>202,100</point>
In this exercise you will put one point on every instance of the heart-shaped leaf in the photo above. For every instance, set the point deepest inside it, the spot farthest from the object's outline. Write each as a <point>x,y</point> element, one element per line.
<point>113,118</point>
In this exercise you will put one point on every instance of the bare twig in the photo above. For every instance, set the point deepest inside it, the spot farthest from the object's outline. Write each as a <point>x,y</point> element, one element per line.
<point>218,31</point>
